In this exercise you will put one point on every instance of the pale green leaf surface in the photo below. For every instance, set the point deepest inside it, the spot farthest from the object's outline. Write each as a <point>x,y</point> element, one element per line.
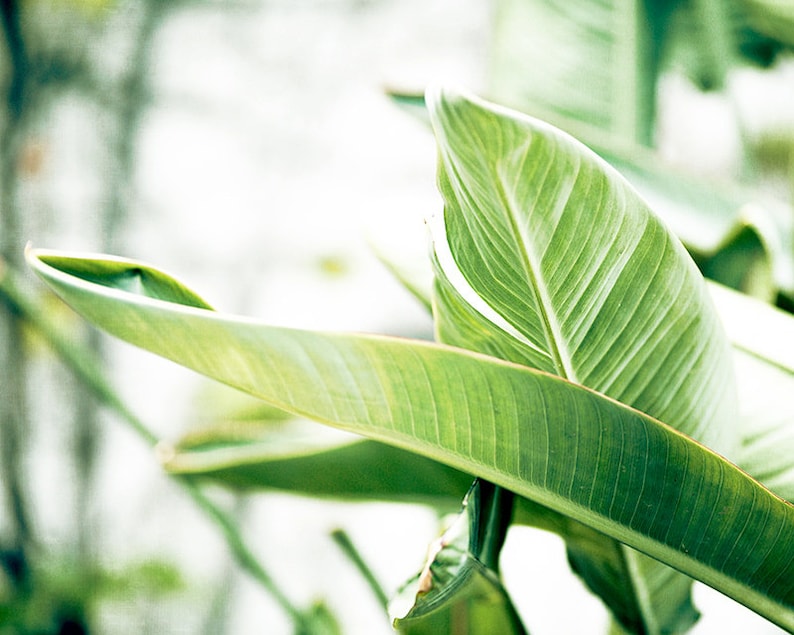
<point>589,60</point>
<point>591,67</point>
<point>706,215</point>
<point>552,246</point>
<point>556,443</point>
<point>767,450</point>
<point>762,340</point>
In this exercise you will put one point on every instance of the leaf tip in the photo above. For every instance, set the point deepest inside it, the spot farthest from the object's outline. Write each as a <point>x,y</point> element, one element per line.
<point>440,97</point>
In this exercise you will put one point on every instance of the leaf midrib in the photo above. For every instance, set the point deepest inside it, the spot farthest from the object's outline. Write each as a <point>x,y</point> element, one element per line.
<point>542,300</point>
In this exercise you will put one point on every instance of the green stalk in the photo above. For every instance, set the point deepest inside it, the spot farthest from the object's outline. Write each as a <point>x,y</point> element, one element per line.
<point>242,554</point>
<point>342,539</point>
<point>719,47</point>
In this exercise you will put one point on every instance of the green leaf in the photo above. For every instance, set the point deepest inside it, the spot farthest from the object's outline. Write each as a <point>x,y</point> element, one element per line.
<point>591,61</point>
<point>319,621</point>
<point>561,445</point>
<point>743,264</point>
<point>763,339</point>
<point>551,249</point>
<point>764,361</point>
<point>768,435</point>
<point>459,590</point>
<point>250,445</point>
<point>480,603</point>
<point>591,67</point>
<point>547,257</point>
<point>303,458</point>
<point>708,216</point>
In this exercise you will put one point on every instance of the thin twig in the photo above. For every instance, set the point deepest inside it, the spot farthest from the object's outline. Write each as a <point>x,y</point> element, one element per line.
<point>344,542</point>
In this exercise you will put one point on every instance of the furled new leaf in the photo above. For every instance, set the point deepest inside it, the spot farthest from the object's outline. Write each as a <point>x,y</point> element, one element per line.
<point>459,590</point>
<point>566,447</point>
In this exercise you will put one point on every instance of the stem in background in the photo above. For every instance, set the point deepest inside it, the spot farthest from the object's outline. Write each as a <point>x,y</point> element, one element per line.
<point>127,111</point>
<point>77,360</point>
<point>651,28</point>
<point>86,369</point>
<point>10,21</point>
<point>245,558</point>
<point>87,437</point>
<point>13,418</point>
<point>217,614</point>
<point>342,539</point>
<point>721,49</point>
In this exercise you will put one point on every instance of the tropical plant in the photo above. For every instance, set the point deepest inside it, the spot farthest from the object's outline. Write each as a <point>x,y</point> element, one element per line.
<point>582,374</point>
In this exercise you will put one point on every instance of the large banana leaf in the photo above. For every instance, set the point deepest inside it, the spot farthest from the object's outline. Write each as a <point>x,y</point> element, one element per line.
<point>244,445</point>
<point>289,456</point>
<point>599,61</point>
<point>548,250</point>
<point>591,68</point>
<point>547,258</point>
<point>720,223</point>
<point>577,452</point>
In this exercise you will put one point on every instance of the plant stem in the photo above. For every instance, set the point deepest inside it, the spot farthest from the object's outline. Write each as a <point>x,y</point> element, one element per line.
<point>242,554</point>
<point>342,539</point>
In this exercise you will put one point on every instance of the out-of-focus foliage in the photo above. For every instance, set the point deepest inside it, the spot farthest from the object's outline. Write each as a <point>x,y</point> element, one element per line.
<point>595,69</point>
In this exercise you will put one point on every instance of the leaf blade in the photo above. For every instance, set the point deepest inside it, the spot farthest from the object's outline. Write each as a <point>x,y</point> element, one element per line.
<point>602,262</point>
<point>399,391</point>
<point>546,255</point>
